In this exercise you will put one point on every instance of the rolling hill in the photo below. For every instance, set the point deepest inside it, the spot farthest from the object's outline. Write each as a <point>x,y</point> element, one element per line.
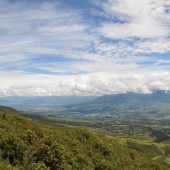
<point>29,144</point>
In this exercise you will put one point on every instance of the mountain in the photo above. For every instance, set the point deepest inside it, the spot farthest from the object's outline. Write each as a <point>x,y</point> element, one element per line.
<point>129,103</point>
<point>154,105</point>
<point>158,101</point>
<point>156,96</point>
<point>29,144</point>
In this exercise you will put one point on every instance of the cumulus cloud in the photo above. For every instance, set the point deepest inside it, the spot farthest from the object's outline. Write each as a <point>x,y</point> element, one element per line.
<point>93,84</point>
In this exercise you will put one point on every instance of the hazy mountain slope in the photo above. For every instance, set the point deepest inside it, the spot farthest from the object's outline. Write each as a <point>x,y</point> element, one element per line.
<point>44,100</point>
<point>25,144</point>
<point>156,96</point>
<point>5,109</point>
<point>130,103</point>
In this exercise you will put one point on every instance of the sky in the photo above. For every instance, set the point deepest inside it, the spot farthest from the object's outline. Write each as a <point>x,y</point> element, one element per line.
<point>84,47</point>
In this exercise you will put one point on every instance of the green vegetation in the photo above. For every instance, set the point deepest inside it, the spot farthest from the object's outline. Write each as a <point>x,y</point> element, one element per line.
<point>28,144</point>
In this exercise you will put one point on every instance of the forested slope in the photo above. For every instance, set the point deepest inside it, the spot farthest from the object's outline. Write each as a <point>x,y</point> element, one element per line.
<point>27,144</point>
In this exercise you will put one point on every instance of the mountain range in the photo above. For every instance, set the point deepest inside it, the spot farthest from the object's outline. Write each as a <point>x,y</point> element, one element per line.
<point>155,104</point>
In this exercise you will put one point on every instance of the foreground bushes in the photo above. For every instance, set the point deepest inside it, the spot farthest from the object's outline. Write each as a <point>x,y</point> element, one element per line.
<point>28,145</point>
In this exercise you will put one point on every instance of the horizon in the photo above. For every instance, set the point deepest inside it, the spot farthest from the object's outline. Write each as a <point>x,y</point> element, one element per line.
<point>86,96</point>
<point>84,48</point>
<point>27,102</point>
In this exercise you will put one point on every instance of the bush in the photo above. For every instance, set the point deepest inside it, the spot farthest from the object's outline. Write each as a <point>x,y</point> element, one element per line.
<point>12,149</point>
<point>52,155</point>
<point>39,166</point>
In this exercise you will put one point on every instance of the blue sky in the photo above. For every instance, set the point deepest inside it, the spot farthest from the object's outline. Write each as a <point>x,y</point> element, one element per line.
<point>84,47</point>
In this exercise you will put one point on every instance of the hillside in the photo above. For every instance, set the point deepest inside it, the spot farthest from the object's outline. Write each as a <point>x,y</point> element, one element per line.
<point>27,144</point>
<point>155,104</point>
<point>156,96</point>
<point>22,102</point>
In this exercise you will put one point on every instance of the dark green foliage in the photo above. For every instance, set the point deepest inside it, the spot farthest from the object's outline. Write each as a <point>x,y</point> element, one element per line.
<point>53,155</point>
<point>25,144</point>
<point>12,148</point>
<point>39,166</point>
<point>150,149</point>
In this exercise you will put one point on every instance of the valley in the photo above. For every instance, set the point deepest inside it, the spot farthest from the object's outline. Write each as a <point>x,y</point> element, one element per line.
<point>138,123</point>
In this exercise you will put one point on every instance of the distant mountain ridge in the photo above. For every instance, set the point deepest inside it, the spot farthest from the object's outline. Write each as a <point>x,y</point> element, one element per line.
<point>44,100</point>
<point>156,102</point>
<point>156,96</point>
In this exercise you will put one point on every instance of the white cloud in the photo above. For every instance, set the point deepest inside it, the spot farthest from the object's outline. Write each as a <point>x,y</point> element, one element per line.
<point>93,84</point>
<point>137,19</point>
<point>130,48</point>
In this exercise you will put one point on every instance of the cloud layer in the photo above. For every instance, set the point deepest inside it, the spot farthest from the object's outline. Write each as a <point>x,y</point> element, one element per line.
<point>87,85</point>
<point>111,46</point>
